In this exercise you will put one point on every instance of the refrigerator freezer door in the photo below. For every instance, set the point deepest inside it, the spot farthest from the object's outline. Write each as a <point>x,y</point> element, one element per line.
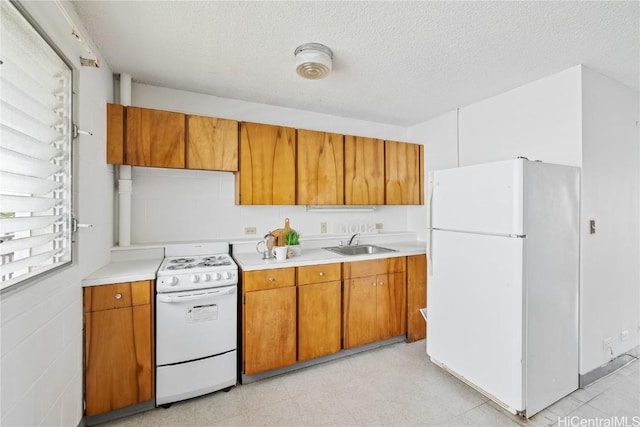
<point>485,198</point>
<point>476,311</point>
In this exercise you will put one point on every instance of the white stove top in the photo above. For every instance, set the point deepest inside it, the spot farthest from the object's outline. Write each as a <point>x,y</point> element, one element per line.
<point>196,266</point>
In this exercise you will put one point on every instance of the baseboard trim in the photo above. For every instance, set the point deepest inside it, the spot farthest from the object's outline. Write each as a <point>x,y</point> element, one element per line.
<point>118,413</point>
<point>246,379</point>
<point>611,366</point>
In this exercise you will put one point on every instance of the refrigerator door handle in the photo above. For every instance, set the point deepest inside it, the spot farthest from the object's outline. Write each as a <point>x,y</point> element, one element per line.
<point>429,227</point>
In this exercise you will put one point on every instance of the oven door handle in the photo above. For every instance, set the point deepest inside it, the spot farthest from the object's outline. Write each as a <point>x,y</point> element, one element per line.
<point>171,297</point>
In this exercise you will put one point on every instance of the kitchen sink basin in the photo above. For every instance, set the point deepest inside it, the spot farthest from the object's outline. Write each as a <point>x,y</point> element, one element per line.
<point>359,250</point>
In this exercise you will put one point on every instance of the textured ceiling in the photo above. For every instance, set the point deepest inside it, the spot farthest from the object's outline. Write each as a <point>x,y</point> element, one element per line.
<point>395,62</point>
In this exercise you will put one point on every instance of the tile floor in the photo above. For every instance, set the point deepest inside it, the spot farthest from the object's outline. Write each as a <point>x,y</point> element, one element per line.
<point>391,386</point>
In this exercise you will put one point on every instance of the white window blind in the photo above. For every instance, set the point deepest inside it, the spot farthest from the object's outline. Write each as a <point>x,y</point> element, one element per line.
<point>35,152</point>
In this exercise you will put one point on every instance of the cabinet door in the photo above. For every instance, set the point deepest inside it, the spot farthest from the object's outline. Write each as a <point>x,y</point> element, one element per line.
<point>212,143</point>
<point>155,138</point>
<point>269,335</point>
<point>267,173</point>
<point>359,312</point>
<point>320,168</point>
<point>416,296</point>
<point>118,358</point>
<point>402,173</point>
<point>363,171</point>
<point>318,319</point>
<point>115,134</point>
<point>391,305</point>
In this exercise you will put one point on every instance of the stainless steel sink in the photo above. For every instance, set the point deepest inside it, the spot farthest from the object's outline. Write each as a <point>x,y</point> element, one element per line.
<point>359,250</point>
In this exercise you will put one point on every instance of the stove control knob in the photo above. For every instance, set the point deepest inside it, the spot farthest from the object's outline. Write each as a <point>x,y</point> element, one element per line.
<point>207,277</point>
<point>227,275</point>
<point>173,280</point>
<point>195,278</point>
<point>217,276</point>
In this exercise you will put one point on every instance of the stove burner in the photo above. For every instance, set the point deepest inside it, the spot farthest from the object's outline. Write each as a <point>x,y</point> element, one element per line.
<point>182,260</point>
<point>180,266</point>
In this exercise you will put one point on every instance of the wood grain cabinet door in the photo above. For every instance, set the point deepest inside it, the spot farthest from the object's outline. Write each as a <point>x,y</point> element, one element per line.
<point>402,173</point>
<point>359,312</point>
<point>118,357</point>
<point>391,305</point>
<point>267,171</point>
<point>212,143</point>
<point>319,319</point>
<point>269,331</point>
<point>155,138</point>
<point>115,134</point>
<point>363,171</point>
<point>416,296</point>
<point>320,168</point>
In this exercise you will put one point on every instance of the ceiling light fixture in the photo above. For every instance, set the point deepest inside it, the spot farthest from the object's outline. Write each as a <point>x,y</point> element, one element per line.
<point>313,60</point>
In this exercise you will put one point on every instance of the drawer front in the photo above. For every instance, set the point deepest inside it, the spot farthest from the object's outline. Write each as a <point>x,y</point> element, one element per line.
<point>268,279</point>
<point>118,295</point>
<point>373,267</point>
<point>318,273</point>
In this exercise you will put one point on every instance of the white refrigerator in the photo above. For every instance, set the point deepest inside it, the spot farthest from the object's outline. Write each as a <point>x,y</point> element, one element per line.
<point>503,285</point>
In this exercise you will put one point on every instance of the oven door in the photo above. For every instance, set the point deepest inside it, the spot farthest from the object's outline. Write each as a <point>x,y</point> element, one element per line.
<point>195,324</point>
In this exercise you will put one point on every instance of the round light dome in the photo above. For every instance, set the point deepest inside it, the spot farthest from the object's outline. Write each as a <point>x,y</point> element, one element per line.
<point>313,60</point>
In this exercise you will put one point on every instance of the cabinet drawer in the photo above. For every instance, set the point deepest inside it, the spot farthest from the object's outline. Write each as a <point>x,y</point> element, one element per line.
<point>318,273</point>
<point>118,295</point>
<point>268,279</point>
<point>373,267</point>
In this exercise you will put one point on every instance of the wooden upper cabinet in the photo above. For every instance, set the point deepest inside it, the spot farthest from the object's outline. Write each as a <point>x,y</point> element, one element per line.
<point>363,171</point>
<point>320,168</point>
<point>267,173</point>
<point>115,134</point>
<point>212,143</point>
<point>402,173</point>
<point>155,138</point>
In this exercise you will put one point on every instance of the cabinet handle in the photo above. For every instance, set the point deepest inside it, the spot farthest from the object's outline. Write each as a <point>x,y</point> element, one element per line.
<point>118,296</point>
<point>321,273</point>
<point>271,279</point>
<point>381,284</point>
<point>374,284</point>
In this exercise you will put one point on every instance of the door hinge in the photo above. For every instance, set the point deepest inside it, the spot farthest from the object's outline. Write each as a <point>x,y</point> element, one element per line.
<point>244,298</point>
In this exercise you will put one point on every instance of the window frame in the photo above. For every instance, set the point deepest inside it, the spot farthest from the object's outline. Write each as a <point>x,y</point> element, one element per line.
<point>72,138</point>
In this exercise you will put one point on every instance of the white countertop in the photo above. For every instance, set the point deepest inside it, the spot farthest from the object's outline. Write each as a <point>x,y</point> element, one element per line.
<point>251,261</point>
<point>124,271</point>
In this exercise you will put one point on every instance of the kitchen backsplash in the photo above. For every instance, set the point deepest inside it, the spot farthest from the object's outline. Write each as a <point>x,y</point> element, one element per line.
<point>187,205</point>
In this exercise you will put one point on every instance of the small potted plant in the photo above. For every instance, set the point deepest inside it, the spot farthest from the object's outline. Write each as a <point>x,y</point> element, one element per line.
<point>292,240</point>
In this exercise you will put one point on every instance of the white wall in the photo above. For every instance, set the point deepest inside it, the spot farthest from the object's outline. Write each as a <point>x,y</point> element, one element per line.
<point>540,121</point>
<point>610,279</point>
<point>41,323</point>
<point>183,205</point>
<point>439,137</point>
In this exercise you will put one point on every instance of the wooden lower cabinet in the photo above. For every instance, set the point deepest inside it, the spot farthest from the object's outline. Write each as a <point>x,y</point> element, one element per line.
<point>416,296</point>
<point>118,359</point>
<point>268,320</point>
<point>374,305</point>
<point>319,308</point>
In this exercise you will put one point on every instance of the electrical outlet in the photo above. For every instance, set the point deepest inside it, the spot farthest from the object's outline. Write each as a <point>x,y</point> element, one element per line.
<point>249,230</point>
<point>624,335</point>
<point>323,228</point>
<point>379,226</point>
<point>606,343</point>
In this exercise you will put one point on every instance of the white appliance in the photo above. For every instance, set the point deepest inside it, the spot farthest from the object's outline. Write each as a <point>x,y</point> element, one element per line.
<point>503,286</point>
<point>196,321</point>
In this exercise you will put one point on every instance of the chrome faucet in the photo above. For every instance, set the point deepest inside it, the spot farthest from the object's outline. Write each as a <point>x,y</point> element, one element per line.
<point>351,239</point>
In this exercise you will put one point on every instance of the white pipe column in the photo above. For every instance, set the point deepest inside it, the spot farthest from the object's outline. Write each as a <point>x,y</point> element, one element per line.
<point>125,184</point>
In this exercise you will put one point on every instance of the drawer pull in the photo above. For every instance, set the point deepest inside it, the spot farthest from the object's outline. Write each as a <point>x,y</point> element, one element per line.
<point>118,296</point>
<point>321,273</point>
<point>271,279</point>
